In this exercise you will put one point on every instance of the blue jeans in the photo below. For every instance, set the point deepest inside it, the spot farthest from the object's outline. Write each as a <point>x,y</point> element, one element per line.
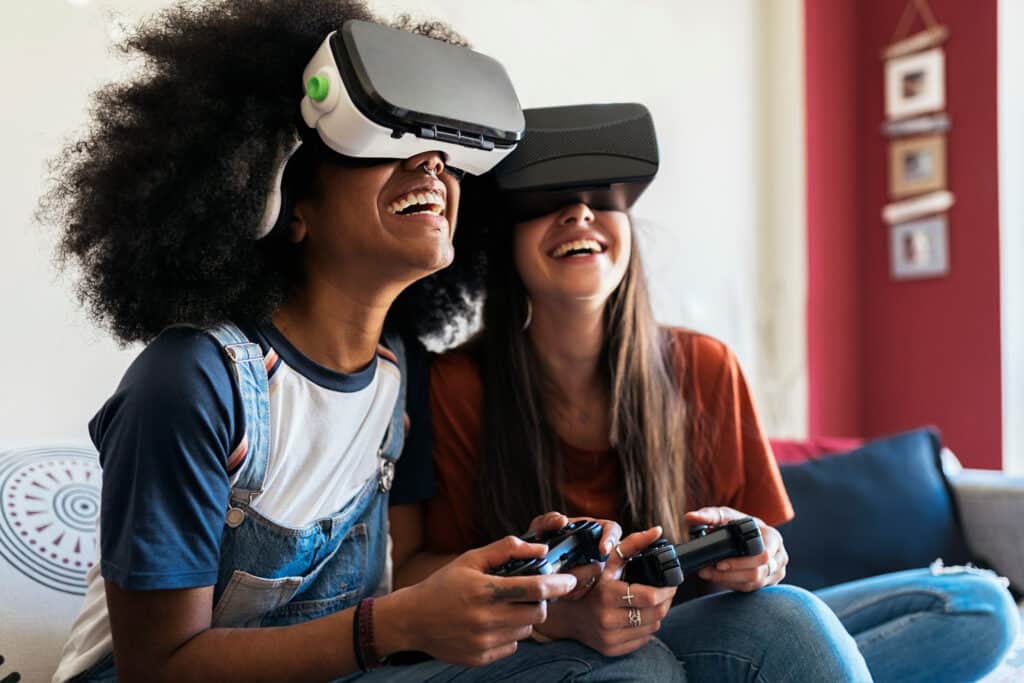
<point>909,626</point>
<point>562,661</point>
<point>780,633</point>
<point>912,626</point>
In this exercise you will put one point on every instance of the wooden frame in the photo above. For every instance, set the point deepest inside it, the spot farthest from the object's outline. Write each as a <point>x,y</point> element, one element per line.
<point>917,165</point>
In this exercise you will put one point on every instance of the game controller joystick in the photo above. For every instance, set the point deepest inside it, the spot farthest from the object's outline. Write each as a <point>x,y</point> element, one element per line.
<point>571,546</point>
<point>664,564</point>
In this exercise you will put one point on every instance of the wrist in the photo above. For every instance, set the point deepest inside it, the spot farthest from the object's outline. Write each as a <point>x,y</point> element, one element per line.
<point>554,627</point>
<point>538,637</point>
<point>391,620</point>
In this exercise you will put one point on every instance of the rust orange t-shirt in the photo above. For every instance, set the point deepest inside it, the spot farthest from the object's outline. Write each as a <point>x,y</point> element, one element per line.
<point>728,451</point>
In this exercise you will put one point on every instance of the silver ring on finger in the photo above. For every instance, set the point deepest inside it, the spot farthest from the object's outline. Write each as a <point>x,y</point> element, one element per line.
<point>618,552</point>
<point>773,566</point>
<point>628,597</point>
<point>635,620</point>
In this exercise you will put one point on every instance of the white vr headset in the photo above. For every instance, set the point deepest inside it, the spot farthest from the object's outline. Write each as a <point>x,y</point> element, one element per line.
<point>374,92</point>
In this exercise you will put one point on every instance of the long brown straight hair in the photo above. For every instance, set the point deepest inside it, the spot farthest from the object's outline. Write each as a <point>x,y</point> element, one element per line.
<point>522,465</point>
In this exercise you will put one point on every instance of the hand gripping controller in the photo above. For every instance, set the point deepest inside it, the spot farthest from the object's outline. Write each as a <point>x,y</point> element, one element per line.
<point>568,547</point>
<point>664,564</point>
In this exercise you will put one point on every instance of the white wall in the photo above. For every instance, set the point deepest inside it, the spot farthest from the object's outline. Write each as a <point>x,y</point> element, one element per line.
<point>59,368</point>
<point>781,247</point>
<point>722,243</point>
<point>1011,229</point>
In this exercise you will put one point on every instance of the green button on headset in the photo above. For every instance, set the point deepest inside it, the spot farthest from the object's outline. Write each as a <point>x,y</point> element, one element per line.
<point>318,87</point>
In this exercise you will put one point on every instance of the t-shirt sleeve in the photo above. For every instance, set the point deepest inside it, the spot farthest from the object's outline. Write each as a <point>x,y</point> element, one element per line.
<point>742,467</point>
<point>164,439</point>
<point>414,472</point>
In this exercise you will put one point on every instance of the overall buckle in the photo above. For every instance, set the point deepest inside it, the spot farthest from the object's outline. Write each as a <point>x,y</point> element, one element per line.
<point>386,477</point>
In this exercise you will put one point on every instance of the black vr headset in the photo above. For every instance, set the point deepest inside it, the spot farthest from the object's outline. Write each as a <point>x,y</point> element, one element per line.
<point>375,93</point>
<point>604,155</point>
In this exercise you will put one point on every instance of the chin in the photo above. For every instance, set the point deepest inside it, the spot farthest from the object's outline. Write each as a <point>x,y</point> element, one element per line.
<point>583,290</point>
<point>438,259</point>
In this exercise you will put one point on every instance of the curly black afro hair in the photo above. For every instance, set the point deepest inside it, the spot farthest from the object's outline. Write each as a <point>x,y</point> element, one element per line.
<point>159,201</point>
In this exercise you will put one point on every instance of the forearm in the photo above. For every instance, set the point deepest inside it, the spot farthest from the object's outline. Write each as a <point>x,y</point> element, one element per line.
<point>316,650</point>
<point>418,567</point>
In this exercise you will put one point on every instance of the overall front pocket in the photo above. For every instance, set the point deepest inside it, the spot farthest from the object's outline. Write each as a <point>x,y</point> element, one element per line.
<point>336,581</point>
<point>247,598</point>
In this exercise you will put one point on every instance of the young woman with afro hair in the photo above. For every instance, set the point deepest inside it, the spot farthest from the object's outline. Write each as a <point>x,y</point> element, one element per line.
<point>240,549</point>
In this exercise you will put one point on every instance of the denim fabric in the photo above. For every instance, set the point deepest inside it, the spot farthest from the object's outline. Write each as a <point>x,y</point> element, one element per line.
<point>254,390</point>
<point>913,626</point>
<point>779,633</point>
<point>275,575</point>
<point>562,661</point>
<point>782,633</point>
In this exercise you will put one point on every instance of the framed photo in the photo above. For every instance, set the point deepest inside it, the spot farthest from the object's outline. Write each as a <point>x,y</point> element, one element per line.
<point>917,165</point>
<point>915,84</point>
<point>919,249</point>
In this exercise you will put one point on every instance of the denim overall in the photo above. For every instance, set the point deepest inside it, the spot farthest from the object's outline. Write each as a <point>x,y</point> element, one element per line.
<point>271,574</point>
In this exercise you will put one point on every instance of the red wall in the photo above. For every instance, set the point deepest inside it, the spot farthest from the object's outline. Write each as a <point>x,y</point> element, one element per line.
<point>923,352</point>
<point>835,253</point>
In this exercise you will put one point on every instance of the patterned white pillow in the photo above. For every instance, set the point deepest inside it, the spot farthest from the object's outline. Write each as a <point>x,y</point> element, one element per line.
<point>50,503</point>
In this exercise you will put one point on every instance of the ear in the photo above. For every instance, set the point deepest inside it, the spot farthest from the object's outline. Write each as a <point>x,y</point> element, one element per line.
<point>298,226</point>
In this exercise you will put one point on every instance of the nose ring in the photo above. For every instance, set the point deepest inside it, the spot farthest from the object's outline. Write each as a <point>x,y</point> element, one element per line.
<point>432,172</point>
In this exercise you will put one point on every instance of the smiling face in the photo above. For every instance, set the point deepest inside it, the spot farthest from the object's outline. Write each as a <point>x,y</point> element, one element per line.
<point>375,225</point>
<point>573,254</point>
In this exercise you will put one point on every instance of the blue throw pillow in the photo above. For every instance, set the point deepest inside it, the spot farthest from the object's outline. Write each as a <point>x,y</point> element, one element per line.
<point>881,508</point>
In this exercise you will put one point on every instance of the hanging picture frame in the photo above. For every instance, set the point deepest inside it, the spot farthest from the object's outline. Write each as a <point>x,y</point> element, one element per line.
<point>917,165</point>
<point>915,84</point>
<point>919,249</point>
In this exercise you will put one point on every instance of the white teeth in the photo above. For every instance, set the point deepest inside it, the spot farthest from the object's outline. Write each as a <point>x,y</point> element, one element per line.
<point>431,199</point>
<point>591,246</point>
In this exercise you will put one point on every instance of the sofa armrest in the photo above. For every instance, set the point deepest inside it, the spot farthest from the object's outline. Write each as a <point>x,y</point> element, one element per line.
<point>992,511</point>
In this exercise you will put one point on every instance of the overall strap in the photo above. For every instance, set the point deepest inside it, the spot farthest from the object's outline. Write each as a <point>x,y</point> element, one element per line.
<point>253,387</point>
<point>394,438</point>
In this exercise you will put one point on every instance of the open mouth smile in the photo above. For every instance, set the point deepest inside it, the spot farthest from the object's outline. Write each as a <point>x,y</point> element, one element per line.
<point>418,202</point>
<point>580,247</point>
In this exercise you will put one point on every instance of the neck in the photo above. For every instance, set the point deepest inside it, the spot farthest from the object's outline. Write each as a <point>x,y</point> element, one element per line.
<point>335,325</point>
<point>568,341</point>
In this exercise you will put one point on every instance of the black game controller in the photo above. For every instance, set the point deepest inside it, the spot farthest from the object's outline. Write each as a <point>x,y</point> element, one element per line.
<point>664,564</point>
<point>571,546</point>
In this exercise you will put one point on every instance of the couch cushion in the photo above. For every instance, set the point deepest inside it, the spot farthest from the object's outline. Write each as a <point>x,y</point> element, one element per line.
<point>880,508</point>
<point>51,498</point>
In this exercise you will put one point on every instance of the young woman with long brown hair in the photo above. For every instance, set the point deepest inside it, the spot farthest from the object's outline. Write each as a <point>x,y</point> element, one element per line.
<point>573,398</point>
